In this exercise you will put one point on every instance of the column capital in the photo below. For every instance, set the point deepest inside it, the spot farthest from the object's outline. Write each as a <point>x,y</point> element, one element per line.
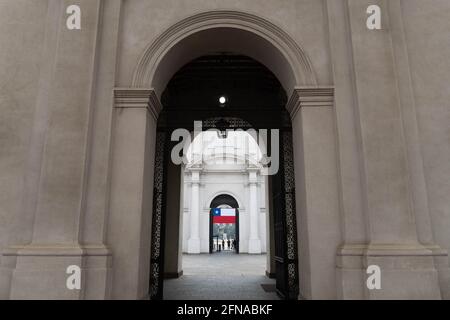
<point>253,176</point>
<point>138,98</point>
<point>195,175</point>
<point>310,97</point>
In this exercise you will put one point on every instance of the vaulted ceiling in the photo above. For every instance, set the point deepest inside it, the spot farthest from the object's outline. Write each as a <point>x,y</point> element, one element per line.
<point>253,93</point>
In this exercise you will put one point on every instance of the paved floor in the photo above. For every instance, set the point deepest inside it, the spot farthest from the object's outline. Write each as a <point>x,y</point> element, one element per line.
<point>220,276</point>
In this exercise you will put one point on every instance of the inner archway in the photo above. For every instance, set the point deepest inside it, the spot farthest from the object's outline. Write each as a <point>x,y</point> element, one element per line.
<point>218,219</point>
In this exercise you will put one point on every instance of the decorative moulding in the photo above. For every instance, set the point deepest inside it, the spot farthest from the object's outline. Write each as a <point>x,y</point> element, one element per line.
<point>154,53</point>
<point>137,98</point>
<point>310,97</point>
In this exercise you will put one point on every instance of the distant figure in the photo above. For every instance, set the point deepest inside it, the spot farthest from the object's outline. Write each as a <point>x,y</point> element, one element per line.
<point>229,244</point>
<point>223,244</point>
<point>233,243</point>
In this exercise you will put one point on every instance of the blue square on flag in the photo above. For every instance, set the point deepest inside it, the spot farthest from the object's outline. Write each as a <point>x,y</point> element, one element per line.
<point>217,212</point>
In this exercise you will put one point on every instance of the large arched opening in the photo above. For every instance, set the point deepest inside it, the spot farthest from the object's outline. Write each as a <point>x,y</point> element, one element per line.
<point>255,102</point>
<point>212,38</point>
<point>224,31</point>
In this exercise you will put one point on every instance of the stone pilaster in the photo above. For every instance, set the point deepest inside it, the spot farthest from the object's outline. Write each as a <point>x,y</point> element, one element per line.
<point>194,237</point>
<point>390,201</point>
<point>254,242</point>
<point>316,192</point>
<point>417,184</point>
<point>134,136</point>
<point>55,190</point>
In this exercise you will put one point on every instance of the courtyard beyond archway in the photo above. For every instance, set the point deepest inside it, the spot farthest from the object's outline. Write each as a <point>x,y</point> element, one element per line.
<point>221,276</point>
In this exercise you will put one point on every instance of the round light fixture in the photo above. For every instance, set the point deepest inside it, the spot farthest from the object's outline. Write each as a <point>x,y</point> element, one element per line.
<point>223,100</point>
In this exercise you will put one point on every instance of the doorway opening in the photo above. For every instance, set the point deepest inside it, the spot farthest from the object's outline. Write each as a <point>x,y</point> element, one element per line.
<point>225,91</point>
<point>224,224</point>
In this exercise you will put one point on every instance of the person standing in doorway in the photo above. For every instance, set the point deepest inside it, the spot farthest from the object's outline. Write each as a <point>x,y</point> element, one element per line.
<point>229,244</point>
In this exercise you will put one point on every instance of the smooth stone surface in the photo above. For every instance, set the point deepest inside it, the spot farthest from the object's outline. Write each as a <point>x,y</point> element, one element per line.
<point>220,276</point>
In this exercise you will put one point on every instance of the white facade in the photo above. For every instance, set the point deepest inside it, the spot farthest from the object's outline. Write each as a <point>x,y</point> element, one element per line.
<point>228,167</point>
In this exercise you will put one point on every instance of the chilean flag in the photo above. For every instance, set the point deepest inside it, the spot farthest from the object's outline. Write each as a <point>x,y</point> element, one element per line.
<point>223,215</point>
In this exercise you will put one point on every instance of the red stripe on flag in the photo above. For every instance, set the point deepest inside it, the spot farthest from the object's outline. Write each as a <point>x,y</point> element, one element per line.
<point>224,219</point>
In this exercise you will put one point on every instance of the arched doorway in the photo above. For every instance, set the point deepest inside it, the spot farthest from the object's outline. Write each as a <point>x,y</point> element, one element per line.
<point>219,202</point>
<point>256,101</point>
<point>139,108</point>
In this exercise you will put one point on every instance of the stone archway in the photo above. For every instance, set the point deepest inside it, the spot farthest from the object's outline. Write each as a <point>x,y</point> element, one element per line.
<point>135,139</point>
<point>212,199</point>
<point>361,190</point>
<point>230,201</point>
<point>224,30</point>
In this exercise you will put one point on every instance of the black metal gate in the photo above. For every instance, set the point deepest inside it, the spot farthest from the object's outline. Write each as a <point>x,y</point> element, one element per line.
<point>284,212</point>
<point>285,226</point>
<point>158,218</point>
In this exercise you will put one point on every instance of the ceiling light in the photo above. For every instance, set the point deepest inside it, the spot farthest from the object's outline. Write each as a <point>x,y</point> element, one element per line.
<point>223,100</point>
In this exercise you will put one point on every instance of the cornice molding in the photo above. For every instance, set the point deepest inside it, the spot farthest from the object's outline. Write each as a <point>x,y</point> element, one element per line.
<point>33,250</point>
<point>310,97</point>
<point>138,98</point>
